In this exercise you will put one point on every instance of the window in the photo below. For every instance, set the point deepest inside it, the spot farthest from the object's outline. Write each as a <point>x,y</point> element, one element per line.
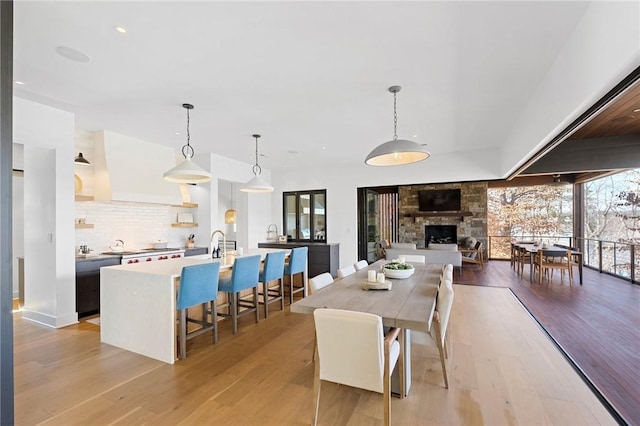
<point>305,216</point>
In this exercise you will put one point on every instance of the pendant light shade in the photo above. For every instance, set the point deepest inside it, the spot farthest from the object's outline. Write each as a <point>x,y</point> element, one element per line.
<point>396,151</point>
<point>230,214</point>
<point>187,171</point>
<point>80,159</point>
<point>230,217</point>
<point>257,184</point>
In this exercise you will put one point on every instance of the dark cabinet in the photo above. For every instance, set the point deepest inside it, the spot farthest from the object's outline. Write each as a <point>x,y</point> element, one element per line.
<point>88,284</point>
<point>322,257</point>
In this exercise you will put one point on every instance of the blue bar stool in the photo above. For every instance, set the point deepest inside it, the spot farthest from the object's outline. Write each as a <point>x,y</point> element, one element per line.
<point>297,265</point>
<point>244,276</point>
<point>198,285</point>
<point>273,270</point>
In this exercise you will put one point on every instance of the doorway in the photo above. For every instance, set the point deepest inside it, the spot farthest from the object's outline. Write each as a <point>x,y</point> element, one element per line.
<point>378,220</point>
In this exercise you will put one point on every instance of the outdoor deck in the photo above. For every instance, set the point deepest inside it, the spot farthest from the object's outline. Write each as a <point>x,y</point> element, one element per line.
<point>597,324</point>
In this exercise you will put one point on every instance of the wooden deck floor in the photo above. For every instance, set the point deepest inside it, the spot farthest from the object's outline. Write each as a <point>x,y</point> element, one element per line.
<point>597,324</point>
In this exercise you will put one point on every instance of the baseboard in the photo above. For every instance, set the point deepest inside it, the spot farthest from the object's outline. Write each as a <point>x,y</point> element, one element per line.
<point>50,320</point>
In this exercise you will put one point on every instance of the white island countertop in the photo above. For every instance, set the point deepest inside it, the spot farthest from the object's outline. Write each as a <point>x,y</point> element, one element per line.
<point>138,303</point>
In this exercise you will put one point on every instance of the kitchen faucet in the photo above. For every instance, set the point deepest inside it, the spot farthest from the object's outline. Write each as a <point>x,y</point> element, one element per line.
<point>224,244</point>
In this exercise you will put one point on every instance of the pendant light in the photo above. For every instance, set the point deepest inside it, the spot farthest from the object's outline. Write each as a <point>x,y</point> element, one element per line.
<point>397,151</point>
<point>257,184</point>
<point>81,160</point>
<point>187,171</point>
<point>230,214</point>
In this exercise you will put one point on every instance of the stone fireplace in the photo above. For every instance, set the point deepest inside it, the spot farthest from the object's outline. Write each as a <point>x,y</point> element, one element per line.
<point>440,234</point>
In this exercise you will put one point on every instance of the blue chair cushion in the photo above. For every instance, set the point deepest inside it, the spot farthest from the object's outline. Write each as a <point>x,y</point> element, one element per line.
<point>273,267</point>
<point>198,284</point>
<point>243,276</point>
<point>297,261</point>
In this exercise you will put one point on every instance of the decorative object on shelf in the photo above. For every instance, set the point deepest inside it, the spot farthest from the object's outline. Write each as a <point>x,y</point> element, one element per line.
<point>78,183</point>
<point>81,160</point>
<point>185,217</point>
<point>257,184</point>
<point>187,171</point>
<point>398,270</point>
<point>397,151</point>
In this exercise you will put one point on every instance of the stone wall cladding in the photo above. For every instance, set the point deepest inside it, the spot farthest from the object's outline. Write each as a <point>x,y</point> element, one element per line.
<point>473,199</point>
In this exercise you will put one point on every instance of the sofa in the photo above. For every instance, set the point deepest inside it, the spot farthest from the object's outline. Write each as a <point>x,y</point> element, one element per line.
<point>436,253</point>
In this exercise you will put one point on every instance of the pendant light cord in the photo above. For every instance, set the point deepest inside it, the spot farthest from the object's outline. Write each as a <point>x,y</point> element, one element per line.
<point>188,149</point>
<point>257,170</point>
<point>395,118</point>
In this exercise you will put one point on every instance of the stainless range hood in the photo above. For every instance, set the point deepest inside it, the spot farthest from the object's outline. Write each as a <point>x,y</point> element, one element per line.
<point>128,169</point>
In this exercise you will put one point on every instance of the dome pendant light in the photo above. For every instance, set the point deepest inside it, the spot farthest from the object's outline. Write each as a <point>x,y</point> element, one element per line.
<point>187,171</point>
<point>257,184</point>
<point>81,160</point>
<point>397,151</point>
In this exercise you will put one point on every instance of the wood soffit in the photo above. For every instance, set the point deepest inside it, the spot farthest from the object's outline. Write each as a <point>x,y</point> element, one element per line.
<point>606,143</point>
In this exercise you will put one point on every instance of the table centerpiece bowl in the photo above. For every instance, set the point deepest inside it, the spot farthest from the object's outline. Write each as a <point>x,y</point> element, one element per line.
<point>398,270</point>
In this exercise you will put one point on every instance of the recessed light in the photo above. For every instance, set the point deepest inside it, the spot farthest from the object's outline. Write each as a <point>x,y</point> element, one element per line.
<point>119,29</point>
<point>72,54</point>
<point>18,82</point>
<point>324,147</point>
<point>415,136</point>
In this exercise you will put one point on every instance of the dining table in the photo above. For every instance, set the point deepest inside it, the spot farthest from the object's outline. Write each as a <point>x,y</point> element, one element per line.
<point>532,249</point>
<point>409,304</point>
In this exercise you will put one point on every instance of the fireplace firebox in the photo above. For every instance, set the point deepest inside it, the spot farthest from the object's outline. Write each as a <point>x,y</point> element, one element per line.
<point>440,234</point>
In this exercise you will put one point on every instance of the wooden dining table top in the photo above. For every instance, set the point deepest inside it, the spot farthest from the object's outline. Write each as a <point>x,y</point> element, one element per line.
<point>409,304</point>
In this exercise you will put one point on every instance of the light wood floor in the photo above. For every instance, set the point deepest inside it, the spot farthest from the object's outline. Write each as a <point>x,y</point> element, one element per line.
<point>502,370</point>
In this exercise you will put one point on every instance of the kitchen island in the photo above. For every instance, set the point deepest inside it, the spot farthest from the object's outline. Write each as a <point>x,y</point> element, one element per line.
<point>138,304</point>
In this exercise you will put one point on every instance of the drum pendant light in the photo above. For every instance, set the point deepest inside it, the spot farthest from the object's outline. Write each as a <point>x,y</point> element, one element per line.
<point>187,171</point>
<point>257,184</point>
<point>396,151</point>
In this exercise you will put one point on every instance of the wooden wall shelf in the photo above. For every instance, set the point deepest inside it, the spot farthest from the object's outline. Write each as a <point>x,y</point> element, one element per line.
<point>184,225</point>
<point>186,205</point>
<point>84,197</point>
<point>84,225</point>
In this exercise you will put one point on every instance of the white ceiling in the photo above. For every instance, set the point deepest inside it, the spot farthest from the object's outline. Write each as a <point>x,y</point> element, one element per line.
<point>311,77</point>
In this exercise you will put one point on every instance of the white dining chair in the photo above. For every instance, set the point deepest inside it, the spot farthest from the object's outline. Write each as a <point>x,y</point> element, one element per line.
<point>345,271</point>
<point>361,264</point>
<point>437,335</point>
<point>353,351</point>
<point>412,258</point>
<point>320,281</point>
<point>447,273</point>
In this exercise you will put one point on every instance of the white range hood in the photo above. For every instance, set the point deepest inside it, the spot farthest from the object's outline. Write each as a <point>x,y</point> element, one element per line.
<point>128,169</point>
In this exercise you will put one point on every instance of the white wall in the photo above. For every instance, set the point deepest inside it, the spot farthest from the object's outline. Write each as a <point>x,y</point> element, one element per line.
<point>48,212</point>
<point>341,184</point>
<point>254,209</point>
<point>17,205</point>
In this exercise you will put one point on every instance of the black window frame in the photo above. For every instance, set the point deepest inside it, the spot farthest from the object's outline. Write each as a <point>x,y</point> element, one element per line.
<point>312,231</point>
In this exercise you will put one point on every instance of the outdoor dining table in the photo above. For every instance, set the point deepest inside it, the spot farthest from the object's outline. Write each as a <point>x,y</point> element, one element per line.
<point>409,304</point>
<point>562,251</point>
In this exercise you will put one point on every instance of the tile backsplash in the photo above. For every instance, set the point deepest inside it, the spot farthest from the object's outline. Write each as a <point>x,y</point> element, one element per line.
<point>137,224</point>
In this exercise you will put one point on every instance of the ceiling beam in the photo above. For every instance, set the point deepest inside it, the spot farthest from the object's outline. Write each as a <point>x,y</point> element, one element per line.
<point>588,155</point>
